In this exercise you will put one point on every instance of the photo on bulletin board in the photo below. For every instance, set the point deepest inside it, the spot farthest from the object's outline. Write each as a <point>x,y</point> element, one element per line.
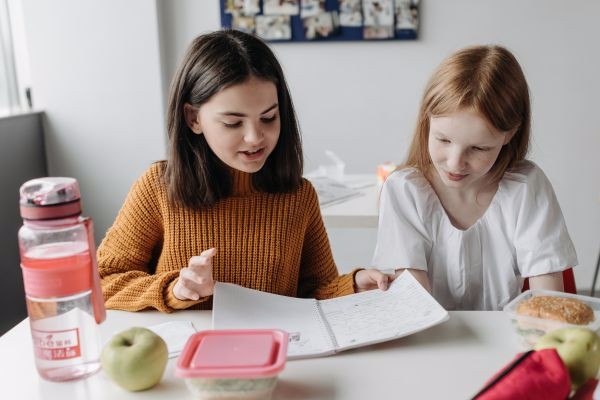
<point>323,20</point>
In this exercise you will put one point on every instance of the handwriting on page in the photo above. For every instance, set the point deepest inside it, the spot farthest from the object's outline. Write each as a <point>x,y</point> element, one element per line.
<point>373,316</point>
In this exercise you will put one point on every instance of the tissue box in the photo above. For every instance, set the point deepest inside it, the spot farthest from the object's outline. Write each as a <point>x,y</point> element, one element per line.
<point>530,329</point>
<point>233,364</point>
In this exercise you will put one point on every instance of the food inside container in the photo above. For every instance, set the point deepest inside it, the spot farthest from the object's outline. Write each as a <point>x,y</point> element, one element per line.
<point>536,312</point>
<point>233,364</point>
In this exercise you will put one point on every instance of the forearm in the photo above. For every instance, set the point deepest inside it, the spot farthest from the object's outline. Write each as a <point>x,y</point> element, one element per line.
<point>137,290</point>
<point>553,281</point>
<point>339,286</point>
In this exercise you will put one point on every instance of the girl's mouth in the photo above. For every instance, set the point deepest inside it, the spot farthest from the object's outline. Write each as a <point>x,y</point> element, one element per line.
<point>253,155</point>
<point>455,177</point>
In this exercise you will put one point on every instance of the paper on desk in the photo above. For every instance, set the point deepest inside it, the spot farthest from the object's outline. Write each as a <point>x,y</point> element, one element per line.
<point>330,191</point>
<point>175,334</point>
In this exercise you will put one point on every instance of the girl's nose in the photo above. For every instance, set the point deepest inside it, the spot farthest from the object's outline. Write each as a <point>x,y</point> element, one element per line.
<point>253,135</point>
<point>456,160</point>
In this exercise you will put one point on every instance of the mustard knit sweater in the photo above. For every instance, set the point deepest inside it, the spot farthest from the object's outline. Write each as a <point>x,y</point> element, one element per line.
<point>271,242</point>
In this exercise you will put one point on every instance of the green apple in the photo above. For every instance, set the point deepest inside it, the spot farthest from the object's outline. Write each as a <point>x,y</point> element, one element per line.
<point>135,359</point>
<point>579,348</point>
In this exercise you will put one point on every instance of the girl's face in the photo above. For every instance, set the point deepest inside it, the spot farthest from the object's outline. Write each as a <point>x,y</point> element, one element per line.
<point>463,148</point>
<point>240,123</point>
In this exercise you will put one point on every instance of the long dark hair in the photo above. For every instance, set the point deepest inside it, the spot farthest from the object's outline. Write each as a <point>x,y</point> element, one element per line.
<point>194,175</point>
<point>488,80</point>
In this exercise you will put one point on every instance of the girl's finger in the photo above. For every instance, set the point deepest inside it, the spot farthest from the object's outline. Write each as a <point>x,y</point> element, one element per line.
<point>383,281</point>
<point>209,253</point>
<point>198,261</point>
<point>184,293</point>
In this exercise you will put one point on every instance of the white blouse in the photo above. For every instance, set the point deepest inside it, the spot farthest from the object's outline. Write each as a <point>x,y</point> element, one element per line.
<point>521,234</point>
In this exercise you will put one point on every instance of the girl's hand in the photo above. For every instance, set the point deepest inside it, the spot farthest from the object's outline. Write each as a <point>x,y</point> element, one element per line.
<point>367,279</point>
<point>196,280</point>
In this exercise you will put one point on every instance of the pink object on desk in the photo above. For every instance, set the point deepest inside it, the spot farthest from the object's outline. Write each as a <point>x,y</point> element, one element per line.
<point>233,354</point>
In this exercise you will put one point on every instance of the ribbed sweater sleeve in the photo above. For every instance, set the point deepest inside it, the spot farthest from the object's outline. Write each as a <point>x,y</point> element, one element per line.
<point>125,256</point>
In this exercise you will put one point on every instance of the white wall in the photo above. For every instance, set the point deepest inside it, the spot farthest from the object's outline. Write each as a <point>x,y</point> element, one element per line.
<point>95,71</point>
<point>358,98</point>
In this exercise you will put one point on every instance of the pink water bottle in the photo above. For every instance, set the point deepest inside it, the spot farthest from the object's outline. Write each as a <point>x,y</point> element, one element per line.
<point>60,273</point>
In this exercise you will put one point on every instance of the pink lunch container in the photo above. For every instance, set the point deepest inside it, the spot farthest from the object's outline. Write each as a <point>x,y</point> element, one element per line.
<point>233,364</point>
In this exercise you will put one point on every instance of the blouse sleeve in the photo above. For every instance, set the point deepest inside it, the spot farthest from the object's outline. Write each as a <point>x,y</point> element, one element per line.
<point>319,276</point>
<point>130,248</point>
<point>541,240</point>
<point>402,238</point>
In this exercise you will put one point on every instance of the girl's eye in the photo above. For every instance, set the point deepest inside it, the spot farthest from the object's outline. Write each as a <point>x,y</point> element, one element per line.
<point>233,125</point>
<point>268,120</point>
<point>476,148</point>
<point>443,140</point>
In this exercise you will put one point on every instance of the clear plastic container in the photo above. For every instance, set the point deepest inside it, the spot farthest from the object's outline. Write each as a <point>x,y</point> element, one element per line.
<point>233,364</point>
<point>530,329</point>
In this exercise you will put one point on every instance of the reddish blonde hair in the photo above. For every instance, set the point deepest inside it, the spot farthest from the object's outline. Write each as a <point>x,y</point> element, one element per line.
<point>488,80</point>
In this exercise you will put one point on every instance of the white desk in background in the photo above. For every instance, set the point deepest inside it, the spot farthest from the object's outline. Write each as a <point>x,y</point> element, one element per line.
<point>352,224</point>
<point>357,212</point>
<point>449,361</point>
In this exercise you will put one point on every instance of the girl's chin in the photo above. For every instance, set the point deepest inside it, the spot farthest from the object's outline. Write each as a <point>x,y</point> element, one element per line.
<point>248,167</point>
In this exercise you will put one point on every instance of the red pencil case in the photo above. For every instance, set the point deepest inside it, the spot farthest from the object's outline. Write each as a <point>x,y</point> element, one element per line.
<point>533,375</point>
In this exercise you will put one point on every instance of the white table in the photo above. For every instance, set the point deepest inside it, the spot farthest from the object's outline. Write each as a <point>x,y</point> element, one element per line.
<point>357,212</point>
<point>352,224</point>
<point>448,361</point>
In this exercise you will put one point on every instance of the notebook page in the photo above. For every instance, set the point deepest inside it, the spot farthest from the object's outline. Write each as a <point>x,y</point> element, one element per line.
<point>376,316</point>
<point>236,307</point>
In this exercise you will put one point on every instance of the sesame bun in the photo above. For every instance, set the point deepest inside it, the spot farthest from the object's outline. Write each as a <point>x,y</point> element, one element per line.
<point>562,309</point>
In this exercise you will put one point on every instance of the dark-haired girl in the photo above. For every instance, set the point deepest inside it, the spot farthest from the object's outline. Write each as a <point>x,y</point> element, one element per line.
<point>229,204</point>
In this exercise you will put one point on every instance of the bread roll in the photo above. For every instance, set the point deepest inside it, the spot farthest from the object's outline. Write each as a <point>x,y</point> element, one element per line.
<point>562,309</point>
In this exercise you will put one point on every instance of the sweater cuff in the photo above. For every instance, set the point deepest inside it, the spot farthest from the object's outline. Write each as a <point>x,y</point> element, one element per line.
<point>346,284</point>
<point>176,304</point>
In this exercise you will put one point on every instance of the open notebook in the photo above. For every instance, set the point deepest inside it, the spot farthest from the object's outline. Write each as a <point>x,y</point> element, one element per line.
<point>324,327</point>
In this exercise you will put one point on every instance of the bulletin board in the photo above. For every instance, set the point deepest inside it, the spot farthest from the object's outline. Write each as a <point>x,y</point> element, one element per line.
<point>323,20</point>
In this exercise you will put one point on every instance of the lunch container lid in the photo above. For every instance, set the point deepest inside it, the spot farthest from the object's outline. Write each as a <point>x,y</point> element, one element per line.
<point>236,353</point>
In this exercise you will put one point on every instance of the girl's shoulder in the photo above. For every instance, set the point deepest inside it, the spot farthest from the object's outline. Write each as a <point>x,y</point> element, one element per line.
<point>410,186</point>
<point>525,185</point>
<point>408,178</point>
<point>525,173</point>
<point>152,179</point>
<point>305,190</point>
<point>156,170</point>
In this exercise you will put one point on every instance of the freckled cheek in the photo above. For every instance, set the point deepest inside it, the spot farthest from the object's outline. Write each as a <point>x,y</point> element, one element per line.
<point>485,162</point>
<point>437,155</point>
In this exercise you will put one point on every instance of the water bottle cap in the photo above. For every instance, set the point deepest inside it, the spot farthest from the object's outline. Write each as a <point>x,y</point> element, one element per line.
<point>50,197</point>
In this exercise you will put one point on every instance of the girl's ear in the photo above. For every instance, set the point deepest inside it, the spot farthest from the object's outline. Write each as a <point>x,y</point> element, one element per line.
<point>191,118</point>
